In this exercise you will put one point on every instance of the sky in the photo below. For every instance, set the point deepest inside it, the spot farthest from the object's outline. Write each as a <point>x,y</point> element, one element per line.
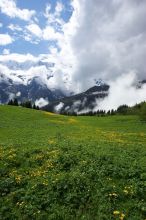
<point>83,40</point>
<point>32,26</point>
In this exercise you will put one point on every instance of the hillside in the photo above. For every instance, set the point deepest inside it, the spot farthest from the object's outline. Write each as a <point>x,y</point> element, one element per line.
<point>84,101</point>
<point>61,167</point>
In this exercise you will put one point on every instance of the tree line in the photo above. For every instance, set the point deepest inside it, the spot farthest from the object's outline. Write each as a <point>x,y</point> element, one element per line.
<point>138,109</point>
<point>25,104</point>
<point>89,113</point>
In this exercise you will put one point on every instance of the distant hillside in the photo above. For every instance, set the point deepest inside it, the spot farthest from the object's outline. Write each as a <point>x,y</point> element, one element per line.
<point>79,102</point>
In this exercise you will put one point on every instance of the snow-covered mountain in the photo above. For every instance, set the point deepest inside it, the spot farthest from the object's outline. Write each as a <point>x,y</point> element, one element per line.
<point>33,90</point>
<point>23,72</point>
<point>28,79</point>
<point>31,81</point>
<point>34,80</point>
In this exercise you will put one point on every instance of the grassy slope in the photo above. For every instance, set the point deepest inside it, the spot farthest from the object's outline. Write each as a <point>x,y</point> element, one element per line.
<point>59,167</point>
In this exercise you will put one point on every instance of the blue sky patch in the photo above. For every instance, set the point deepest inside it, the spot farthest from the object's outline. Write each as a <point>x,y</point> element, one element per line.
<point>31,39</point>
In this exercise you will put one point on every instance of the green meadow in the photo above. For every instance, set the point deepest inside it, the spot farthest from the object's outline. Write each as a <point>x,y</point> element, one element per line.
<point>55,167</point>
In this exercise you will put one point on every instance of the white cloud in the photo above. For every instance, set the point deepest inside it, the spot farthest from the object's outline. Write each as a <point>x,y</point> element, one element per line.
<point>27,37</point>
<point>11,96</point>
<point>9,8</point>
<point>4,69</point>
<point>54,17</point>
<point>5,39</point>
<point>123,91</point>
<point>18,94</point>
<point>101,45</point>
<point>35,29</point>
<point>41,102</point>
<point>65,59</point>
<point>23,67</point>
<point>53,50</point>
<point>20,58</point>
<point>47,10</point>
<point>59,107</point>
<point>76,105</point>
<point>8,74</point>
<point>41,72</point>
<point>59,8</point>
<point>14,27</point>
<point>6,51</point>
<point>50,34</point>
<point>109,41</point>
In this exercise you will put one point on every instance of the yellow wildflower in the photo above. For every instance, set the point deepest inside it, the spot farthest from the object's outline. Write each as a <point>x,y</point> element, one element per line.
<point>113,194</point>
<point>18,179</point>
<point>125,191</point>
<point>122,216</point>
<point>51,141</point>
<point>49,113</point>
<point>116,212</point>
<point>72,120</point>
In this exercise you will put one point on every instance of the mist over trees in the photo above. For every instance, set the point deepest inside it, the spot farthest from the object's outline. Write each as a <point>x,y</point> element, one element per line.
<point>138,109</point>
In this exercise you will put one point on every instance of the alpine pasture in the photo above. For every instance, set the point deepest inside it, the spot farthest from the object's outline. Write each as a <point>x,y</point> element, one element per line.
<point>56,167</point>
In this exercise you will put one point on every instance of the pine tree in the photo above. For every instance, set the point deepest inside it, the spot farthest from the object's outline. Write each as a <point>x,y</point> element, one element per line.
<point>15,102</point>
<point>34,106</point>
<point>10,102</point>
<point>143,112</point>
<point>37,107</point>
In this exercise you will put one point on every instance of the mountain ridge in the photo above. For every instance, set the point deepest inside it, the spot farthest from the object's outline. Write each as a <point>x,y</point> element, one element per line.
<point>79,102</point>
<point>34,90</point>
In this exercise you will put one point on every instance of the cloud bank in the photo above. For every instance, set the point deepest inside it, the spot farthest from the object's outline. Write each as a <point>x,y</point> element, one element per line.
<point>110,40</point>
<point>123,91</point>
